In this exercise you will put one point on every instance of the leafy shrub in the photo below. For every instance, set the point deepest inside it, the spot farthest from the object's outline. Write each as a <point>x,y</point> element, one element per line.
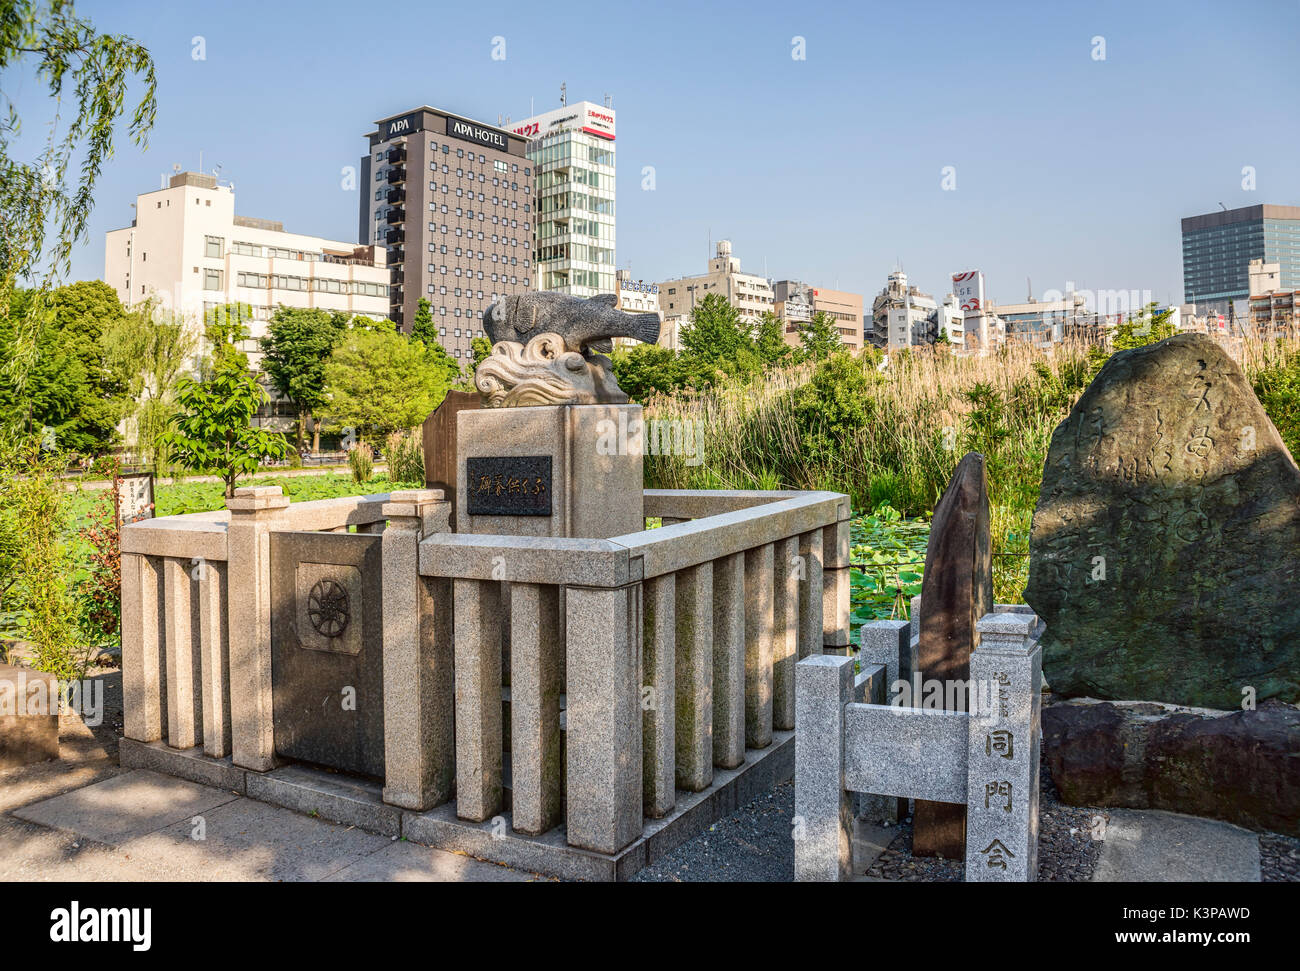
<point>33,498</point>
<point>1277,384</point>
<point>99,591</point>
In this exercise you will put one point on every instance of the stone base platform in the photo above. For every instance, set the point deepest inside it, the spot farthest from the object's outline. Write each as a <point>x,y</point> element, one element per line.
<point>358,802</point>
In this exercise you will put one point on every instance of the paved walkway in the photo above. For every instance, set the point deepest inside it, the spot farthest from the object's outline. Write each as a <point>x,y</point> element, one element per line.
<point>1150,846</point>
<point>83,818</point>
<point>138,825</point>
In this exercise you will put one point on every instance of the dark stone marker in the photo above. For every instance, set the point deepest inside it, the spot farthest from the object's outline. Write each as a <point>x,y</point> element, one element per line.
<point>1240,767</point>
<point>327,678</point>
<point>956,592</point>
<point>29,716</point>
<point>517,485</point>
<point>1165,550</point>
<point>438,435</point>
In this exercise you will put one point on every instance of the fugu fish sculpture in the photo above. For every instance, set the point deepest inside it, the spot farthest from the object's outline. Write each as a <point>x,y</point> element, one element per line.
<point>544,349</point>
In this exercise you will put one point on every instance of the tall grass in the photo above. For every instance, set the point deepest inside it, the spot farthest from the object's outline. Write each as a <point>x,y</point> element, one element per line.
<point>894,435</point>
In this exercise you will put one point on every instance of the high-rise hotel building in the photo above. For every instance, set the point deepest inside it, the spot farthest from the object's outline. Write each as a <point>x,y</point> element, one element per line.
<point>453,201</point>
<point>572,149</point>
<point>1219,246</point>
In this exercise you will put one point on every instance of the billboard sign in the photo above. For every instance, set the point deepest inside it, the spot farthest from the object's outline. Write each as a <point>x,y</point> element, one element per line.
<point>968,288</point>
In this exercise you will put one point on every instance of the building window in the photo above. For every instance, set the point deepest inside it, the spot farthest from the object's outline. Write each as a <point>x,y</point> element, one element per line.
<point>211,279</point>
<point>212,247</point>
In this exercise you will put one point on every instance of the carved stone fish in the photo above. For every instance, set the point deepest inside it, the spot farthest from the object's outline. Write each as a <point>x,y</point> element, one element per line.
<point>582,322</point>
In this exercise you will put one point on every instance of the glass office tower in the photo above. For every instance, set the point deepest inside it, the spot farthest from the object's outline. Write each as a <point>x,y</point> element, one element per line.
<point>572,149</point>
<point>1218,248</point>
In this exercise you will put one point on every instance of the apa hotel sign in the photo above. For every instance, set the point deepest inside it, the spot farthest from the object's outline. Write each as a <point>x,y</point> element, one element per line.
<point>477,133</point>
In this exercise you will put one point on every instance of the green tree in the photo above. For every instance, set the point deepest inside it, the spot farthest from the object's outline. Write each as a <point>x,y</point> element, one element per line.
<point>225,327</point>
<point>83,313</point>
<point>38,198</point>
<point>716,332</point>
<point>770,341</point>
<point>378,381</point>
<point>480,348</point>
<point>819,338</point>
<point>151,348</point>
<point>212,433</point>
<point>70,389</point>
<point>297,344</point>
<point>646,370</point>
<point>424,330</point>
<point>1148,327</point>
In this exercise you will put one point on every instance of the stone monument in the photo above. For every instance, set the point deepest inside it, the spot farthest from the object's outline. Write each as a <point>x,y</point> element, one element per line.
<point>557,449</point>
<point>1165,549</point>
<point>956,592</point>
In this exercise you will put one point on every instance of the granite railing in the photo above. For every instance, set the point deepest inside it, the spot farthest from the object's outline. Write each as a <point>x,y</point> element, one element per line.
<point>849,741</point>
<point>196,619</point>
<point>636,664</point>
<point>614,672</point>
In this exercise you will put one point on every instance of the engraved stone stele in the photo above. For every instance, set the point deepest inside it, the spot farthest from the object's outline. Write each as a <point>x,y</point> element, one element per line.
<point>956,592</point>
<point>1165,549</point>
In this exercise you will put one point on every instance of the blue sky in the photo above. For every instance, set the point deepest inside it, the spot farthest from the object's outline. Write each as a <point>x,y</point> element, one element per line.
<point>827,169</point>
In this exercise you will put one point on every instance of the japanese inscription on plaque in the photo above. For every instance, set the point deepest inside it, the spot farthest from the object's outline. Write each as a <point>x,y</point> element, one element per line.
<point>133,498</point>
<point>508,486</point>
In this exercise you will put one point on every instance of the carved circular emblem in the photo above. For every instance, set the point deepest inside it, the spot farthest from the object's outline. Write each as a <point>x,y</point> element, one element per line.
<point>328,608</point>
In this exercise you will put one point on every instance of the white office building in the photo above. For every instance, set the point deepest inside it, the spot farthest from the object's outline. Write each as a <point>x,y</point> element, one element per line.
<point>187,249</point>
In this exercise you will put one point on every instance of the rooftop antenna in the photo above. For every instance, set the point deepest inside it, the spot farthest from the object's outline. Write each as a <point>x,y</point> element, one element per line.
<point>609,100</point>
<point>200,161</point>
<point>564,94</point>
<point>499,119</point>
<point>1223,207</point>
<point>1029,290</point>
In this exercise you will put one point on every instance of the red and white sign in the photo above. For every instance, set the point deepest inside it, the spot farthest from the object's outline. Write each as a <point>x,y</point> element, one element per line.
<point>600,121</point>
<point>968,288</point>
<point>585,116</point>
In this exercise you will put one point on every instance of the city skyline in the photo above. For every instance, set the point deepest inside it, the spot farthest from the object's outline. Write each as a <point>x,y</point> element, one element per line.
<point>1063,164</point>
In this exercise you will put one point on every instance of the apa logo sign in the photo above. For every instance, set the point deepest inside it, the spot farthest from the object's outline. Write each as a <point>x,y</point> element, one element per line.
<point>476,133</point>
<point>401,126</point>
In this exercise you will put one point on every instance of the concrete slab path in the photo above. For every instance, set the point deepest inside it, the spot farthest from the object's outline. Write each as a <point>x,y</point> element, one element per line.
<point>140,825</point>
<point>1150,846</point>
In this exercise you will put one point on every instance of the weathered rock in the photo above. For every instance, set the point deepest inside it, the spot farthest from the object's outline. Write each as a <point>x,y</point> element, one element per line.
<point>1166,544</point>
<point>29,716</point>
<point>957,591</point>
<point>1242,767</point>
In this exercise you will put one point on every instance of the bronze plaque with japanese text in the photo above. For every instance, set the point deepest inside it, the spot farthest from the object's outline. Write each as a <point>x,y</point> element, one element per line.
<point>508,486</point>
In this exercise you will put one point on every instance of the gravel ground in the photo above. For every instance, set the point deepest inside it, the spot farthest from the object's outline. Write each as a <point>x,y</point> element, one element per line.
<point>1067,853</point>
<point>1279,858</point>
<point>752,844</point>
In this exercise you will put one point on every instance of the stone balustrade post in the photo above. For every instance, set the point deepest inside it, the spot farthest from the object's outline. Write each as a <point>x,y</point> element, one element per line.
<point>823,833</point>
<point>254,513</point>
<point>1002,774</point>
<point>419,685</point>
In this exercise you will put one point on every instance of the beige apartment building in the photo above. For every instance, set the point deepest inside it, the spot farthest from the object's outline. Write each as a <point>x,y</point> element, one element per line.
<point>187,249</point>
<point>796,303</point>
<point>749,293</point>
